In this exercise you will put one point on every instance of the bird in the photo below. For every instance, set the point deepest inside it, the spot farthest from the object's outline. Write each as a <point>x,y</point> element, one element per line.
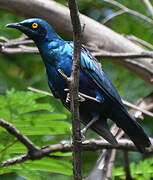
<point>99,99</point>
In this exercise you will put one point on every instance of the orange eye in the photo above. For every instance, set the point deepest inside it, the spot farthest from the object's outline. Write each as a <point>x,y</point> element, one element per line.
<point>35,25</point>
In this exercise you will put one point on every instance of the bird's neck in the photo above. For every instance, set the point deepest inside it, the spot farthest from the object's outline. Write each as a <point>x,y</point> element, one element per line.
<point>49,50</point>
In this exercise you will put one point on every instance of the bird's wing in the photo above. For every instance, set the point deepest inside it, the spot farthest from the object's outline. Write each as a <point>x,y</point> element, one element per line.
<point>55,94</point>
<point>118,113</point>
<point>93,69</point>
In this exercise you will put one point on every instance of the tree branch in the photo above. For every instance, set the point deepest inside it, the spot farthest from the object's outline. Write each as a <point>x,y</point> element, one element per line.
<point>74,89</point>
<point>127,165</point>
<point>104,54</point>
<point>110,17</point>
<point>130,11</point>
<point>140,41</point>
<point>107,157</point>
<point>66,146</point>
<point>90,145</point>
<point>144,103</point>
<point>7,48</point>
<point>149,6</point>
<point>12,130</point>
<point>126,103</point>
<point>95,34</point>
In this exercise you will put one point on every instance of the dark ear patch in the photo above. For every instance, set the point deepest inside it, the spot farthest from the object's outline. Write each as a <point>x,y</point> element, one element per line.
<point>42,31</point>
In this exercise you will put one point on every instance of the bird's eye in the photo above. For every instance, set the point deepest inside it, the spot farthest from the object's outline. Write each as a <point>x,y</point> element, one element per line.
<point>35,25</point>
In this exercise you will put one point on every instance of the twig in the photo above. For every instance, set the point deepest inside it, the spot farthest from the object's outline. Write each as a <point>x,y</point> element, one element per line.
<point>140,41</point>
<point>126,103</point>
<point>66,146</point>
<point>107,157</point>
<point>16,42</point>
<point>7,48</point>
<point>40,91</point>
<point>8,145</point>
<point>130,11</point>
<point>12,130</point>
<point>111,154</point>
<point>89,97</point>
<point>126,165</point>
<point>96,34</point>
<point>149,6</point>
<point>137,108</point>
<point>108,18</point>
<point>74,89</point>
<point>144,103</point>
<point>38,153</point>
<point>19,50</point>
<point>106,54</point>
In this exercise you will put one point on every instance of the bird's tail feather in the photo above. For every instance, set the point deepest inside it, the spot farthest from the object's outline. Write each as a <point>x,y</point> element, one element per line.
<point>132,128</point>
<point>101,128</point>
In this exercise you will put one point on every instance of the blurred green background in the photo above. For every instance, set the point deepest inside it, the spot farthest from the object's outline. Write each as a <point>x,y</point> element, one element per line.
<point>44,120</point>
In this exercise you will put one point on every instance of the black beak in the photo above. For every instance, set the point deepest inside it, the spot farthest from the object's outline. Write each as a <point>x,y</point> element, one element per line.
<point>14,25</point>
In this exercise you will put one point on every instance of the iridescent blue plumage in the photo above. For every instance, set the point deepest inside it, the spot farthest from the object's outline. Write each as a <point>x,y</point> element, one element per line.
<point>57,55</point>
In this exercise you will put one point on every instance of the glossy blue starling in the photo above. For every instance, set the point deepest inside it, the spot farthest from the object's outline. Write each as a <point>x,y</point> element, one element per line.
<point>57,56</point>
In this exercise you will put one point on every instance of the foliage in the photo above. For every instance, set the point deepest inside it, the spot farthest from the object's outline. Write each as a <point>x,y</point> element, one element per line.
<point>142,170</point>
<point>41,123</point>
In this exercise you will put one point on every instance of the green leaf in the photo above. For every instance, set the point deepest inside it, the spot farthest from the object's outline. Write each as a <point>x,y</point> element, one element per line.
<point>35,107</point>
<point>40,130</point>
<point>51,165</point>
<point>29,174</point>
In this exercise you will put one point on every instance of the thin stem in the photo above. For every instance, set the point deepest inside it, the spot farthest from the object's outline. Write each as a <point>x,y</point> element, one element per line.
<point>66,146</point>
<point>126,103</point>
<point>108,18</point>
<point>12,130</point>
<point>130,11</point>
<point>149,6</point>
<point>127,165</point>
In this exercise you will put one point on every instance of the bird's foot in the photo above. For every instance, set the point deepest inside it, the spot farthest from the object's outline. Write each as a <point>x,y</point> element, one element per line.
<point>81,98</point>
<point>83,132</point>
<point>68,95</point>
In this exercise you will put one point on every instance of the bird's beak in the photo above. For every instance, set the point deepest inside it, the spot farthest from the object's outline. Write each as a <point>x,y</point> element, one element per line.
<point>14,25</point>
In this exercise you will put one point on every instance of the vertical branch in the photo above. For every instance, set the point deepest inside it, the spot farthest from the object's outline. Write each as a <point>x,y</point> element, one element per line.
<point>74,86</point>
<point>127,166</point>
<point>103,167</point>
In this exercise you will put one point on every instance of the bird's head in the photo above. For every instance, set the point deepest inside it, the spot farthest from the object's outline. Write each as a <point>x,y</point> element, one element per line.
<point>36,29</point>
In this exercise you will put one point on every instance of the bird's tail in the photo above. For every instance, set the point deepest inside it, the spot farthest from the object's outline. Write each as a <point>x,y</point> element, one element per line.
<point>132,128</point>
<point>101,128</point>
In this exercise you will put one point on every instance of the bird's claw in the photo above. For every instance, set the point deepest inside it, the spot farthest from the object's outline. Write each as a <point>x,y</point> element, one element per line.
<point>83,131</point>
<point>81,98</point>
<point>68,98</point>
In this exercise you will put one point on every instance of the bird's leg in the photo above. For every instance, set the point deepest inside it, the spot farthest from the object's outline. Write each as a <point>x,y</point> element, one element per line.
<point>83,96</point>
<point>84,130</point>
<point>80,95</point>
<point>68,95</point>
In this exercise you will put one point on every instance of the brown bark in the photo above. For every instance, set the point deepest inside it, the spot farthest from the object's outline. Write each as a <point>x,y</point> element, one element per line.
<point>95,34</point>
